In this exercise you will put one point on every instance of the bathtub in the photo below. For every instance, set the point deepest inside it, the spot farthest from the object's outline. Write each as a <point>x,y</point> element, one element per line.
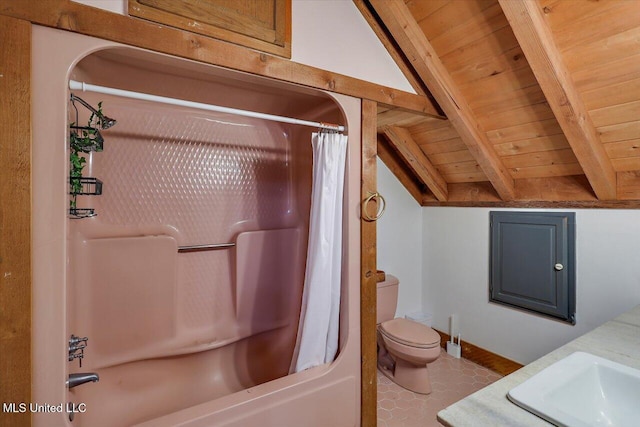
<point>180,337</point>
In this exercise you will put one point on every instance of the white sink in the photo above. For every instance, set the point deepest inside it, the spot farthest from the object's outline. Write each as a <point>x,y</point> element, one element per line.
<point>583,390</point>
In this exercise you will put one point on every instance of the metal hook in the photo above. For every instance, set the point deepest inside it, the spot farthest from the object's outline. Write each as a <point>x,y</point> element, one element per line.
<point>381,209</point>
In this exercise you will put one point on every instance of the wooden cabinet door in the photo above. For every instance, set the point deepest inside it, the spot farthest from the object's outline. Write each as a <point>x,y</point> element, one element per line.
<point>264,25</point>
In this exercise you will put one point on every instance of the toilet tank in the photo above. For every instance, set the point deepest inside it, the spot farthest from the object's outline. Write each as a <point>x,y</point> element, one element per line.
<point>387,299</point>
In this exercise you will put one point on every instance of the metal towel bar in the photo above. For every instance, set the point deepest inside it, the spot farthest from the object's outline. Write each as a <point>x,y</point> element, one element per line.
<point>200,248</point>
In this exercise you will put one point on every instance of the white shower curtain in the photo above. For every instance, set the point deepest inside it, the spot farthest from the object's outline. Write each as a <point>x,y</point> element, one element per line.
<point>317,341</point>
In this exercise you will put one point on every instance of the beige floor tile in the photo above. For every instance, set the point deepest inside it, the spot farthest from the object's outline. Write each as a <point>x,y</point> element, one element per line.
<point>451,379</point>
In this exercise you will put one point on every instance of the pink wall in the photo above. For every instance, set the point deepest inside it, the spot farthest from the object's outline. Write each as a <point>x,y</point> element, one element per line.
<point>177,178</point>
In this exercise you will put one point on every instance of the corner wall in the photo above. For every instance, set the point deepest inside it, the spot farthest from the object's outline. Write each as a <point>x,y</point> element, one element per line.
<point>400,240</point>
<point>333,35</point>
<point>456,277</point>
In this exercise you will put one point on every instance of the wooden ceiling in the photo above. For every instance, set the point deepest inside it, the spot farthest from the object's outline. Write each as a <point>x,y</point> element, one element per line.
<point>540,100</point>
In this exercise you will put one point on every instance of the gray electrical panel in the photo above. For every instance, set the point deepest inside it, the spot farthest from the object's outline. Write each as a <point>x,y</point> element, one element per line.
<point>532,264</point>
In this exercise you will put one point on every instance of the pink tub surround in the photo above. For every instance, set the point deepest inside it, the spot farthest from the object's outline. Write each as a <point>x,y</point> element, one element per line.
<point>188,281</point>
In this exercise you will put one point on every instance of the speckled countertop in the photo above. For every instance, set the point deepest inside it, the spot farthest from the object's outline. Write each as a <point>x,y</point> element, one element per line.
<point>617,340</point>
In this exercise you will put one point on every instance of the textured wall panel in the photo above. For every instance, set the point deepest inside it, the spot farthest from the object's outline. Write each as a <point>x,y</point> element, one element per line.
<point>207,177</point>
<point>201,174</point>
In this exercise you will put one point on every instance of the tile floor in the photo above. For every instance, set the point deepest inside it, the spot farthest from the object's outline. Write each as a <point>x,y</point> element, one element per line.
<point>451,379</point>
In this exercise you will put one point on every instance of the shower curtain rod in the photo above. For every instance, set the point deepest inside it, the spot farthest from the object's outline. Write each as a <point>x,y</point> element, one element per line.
<point>86,87</point>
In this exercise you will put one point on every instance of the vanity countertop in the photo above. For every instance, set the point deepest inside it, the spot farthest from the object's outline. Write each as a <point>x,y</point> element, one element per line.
<point>617,340</point>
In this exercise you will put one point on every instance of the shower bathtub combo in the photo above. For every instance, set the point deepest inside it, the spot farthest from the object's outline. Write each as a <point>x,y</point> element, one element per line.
<point>172,296</point>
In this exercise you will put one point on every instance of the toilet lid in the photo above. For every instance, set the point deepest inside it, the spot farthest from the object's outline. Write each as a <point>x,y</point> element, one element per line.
<point>410,333</point>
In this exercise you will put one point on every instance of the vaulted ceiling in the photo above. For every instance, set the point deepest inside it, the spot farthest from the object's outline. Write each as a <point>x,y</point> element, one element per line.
<point>540,100</point>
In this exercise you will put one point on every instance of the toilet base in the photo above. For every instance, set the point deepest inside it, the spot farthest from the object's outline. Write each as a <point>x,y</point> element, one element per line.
<point>407,375</point>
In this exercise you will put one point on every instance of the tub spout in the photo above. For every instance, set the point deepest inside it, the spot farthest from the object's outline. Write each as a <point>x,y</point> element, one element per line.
<point>81,378</point>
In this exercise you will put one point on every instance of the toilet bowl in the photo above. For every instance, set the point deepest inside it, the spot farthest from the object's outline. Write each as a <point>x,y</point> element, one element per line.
<point>405,347</point>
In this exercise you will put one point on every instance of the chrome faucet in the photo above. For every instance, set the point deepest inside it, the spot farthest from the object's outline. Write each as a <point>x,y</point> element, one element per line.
<point>81,378</point>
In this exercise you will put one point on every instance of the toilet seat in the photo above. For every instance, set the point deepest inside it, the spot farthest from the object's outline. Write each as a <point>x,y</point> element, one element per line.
<point>410,333</point>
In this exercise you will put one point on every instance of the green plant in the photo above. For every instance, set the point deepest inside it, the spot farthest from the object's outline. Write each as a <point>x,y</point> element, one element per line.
<point>82,139</point>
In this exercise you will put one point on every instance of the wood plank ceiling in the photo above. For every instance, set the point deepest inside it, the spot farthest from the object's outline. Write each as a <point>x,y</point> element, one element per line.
<point>541,98</point>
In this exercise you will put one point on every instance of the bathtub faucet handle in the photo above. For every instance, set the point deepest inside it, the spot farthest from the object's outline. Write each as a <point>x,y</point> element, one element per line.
<point>76,348</point>
<point>74,340</point>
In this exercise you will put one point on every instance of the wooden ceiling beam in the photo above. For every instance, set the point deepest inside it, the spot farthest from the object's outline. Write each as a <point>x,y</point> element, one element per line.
<point>401,139</point>
<point>409,36</point>
<point>536,39</point>
<point>398,117</point>
<point>400,170</point>
<point>395,52</point>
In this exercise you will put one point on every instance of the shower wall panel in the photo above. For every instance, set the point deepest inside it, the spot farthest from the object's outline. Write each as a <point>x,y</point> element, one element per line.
<point>198,178</point>
<point>202,173</point>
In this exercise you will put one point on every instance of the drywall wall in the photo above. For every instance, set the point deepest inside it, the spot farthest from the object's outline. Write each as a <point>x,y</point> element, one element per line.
<point>115,6</point>
<point>400,240</point>
<point>456,277</point>
<point>333,35</point>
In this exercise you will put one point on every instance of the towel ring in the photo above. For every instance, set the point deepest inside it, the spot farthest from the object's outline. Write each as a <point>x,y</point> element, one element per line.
<point>371,197</point>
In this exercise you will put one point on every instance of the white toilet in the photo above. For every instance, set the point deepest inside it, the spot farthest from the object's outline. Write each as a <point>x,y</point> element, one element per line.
<point>404,346</point>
